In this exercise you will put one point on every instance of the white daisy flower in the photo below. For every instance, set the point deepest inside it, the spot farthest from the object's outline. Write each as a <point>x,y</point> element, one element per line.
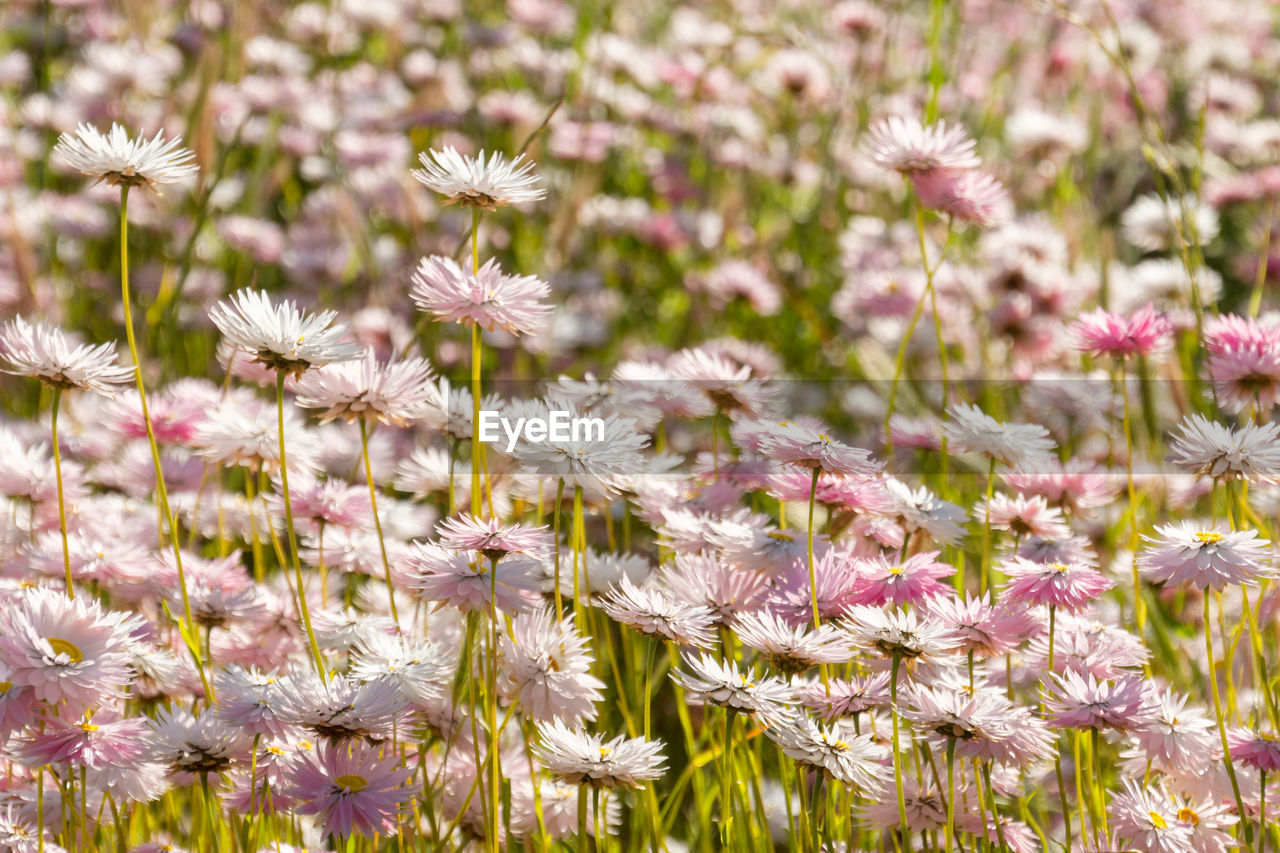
<point>282,337</point>
<point>475,182</point>
<point>120,161</point>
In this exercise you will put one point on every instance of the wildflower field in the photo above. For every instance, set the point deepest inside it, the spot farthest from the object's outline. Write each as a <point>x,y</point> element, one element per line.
<point>618,425</point>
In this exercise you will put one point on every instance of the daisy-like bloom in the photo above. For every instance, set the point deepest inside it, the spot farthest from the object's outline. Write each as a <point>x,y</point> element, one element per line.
<point>1102,333</point>
<point>65,650</point>
<point>43,352</point>
<point>1067,585</point>
<point>282,337</point>
<point>921,510</point>
<point>1259,750</point>
<point>652,612</point>
<point>475,182</point>
<point>487,298</point>
<point>191,744</point>
<point>1176,736</point>
<point>120,161</point>
<point>1212,557</point>
<point>981,628</point>
<point>855,760</point>
<point>601,462</point>
<point>1146,816</point>
<point>393,392</point>
<point>807,447</point>
<point>546,667</point>
<point>1070,485</point>
<point>354,788</point>
<point>910,581</point>
<point>1244,362</point>
<point>969,196</point>
<point>1077,701</point>
<point>926,807</point>
<point>841,698</point>
<point>582,758</point>
<point>1251,452</point>
<point>984,723</point>
<point>906,634</point>
<point>249,700</point>
<point>1154,224</point>
<point>902,144</point>
<point>92,742</point>
<point>970,430</point>
<point>724,590</point>
<point>493,539</point>
<point>1023,516</point>
<point>711,680</point>
<point>419,667</point>
<point>462,578</point>
<point>791,648</point>
<point>342,708</point>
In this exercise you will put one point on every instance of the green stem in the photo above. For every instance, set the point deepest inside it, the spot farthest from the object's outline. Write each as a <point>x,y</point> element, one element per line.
<point>316,657</point>
<point>377,522</point>
<point>62,510</point>
<point>897,755</point>
<point>126,300</point>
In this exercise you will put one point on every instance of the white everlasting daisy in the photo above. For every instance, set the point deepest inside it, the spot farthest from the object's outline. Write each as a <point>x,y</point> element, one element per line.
<point>652,612</point>
<point>1154,224</point>
<point>902,144</point>
<point>120,161</point>
<point>902,633</point>
<point>45,353</point>
<point>719,682</point>
<point>791,648</point>
<point>856,760</point>
<point>1215,450</point>
<point>475,182</point>
<point>393,392</point>
<point>1209,556</point>
<point>282,337</point>
<point>579,757</point>
<point>922,510</point>
<point>971,430</point>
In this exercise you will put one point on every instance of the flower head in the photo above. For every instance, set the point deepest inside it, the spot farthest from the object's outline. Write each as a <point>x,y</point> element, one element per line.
<point>1208,556</point>
<point>392,392</point>
<point>487,298</point>
<point>1102,333</point>
<point>120,161</point>
<point>902,144</point>
<point>580,757</point>
<point>354,788</point>
<point>45,353</point>
<point>282,337</point>
<point>475,182</point>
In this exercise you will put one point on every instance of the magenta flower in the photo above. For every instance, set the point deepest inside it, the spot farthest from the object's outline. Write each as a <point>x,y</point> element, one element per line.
<point>1102,333</point>
<point>353,789</point>
<point>1067,585</point>
<point>910,581</point>
<point>487,298</point>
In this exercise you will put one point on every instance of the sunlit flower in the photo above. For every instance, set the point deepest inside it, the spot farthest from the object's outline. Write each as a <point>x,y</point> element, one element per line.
<point>120,161</point>
<point>475,182</point>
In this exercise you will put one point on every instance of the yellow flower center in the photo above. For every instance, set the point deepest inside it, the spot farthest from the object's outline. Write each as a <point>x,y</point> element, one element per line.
<point>65,647</point>
<point>605,752</point>
<point>1188,816</point>
<point>896,570</point>
<point>87,726</point>
<point>5,687</point>
<point>1157,820</point>
<point>352,782</point>
<point>1057,567</point>
<point>1210,537</point>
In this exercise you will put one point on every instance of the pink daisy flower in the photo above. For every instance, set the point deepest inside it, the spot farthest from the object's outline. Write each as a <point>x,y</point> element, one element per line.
<point>487,298</point>
<point>1210,557</point>
<point>896,582</point>
<point>66,650</point>
<point>1259,750</point>
<point>902,144</point>
<point>969,196</point>
<point>1067,585</point>
<point>354,789</point>
<point>1102,333</point>
<point>462,578</point>
<point>94,742</point>
<point>807,447</point>
<point>1076,701</point>
<point>492,538</point>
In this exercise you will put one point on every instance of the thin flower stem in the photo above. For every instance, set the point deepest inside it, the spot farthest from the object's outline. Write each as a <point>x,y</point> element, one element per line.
<point>813,578</point>
<point>62,510</point>
<point>1217,710</point>
<point>897,755</point>
<point>951,793</point>
<point>316,657</point>
<point>188,621</point>
<point>1139,606</point>
<point>377,522</point>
